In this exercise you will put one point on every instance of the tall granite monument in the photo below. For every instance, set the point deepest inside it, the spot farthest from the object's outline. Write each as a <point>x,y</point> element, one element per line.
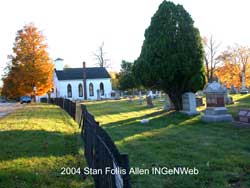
<point>243,88</point>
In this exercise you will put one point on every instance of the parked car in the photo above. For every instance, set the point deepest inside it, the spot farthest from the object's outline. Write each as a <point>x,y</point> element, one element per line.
<point>2,99</point>
<point>25,99</point>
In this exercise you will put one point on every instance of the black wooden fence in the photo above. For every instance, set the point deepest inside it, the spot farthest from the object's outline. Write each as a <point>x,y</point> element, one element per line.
<point>100,151</point>
<point>66,104</point>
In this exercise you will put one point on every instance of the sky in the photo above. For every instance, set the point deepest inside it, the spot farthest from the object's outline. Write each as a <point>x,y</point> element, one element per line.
<point>74,29</point>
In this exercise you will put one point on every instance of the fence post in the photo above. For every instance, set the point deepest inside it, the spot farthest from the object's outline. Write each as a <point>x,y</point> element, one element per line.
<point>74,111</point>
<point>125,164</point>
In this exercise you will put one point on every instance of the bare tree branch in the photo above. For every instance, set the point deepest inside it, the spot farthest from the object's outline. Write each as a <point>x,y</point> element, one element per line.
<point>100,57</point>
<point>211,58</point>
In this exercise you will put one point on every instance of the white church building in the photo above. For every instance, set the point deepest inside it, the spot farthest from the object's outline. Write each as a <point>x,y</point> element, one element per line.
<point>85,83</point>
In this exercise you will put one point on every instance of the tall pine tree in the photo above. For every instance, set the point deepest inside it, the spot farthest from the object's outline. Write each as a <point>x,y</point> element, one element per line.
<point>172,55</point>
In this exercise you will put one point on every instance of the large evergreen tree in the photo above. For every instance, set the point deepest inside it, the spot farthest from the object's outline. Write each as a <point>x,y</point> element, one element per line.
<point>30,66</point>
<point>172,55</point>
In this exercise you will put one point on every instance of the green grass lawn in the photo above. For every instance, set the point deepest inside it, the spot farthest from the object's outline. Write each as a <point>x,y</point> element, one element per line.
<point>40,139</point>
<point>36,142</point>
<point>220,151</point>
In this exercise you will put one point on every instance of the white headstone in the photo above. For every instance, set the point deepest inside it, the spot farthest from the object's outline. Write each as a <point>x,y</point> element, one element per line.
<point>98,94</point>
<point>140,98</point>
<point>117,95</point>
<point>167,103</point>
<point>160,94</point>
<point>189,104</point>
<point>243,88</point>
<point>150,93</point>
<point>140,93</point>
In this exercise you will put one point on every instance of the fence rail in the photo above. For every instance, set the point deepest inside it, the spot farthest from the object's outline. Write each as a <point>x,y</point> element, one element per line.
<point>100,151</point>
<point>66,104</point>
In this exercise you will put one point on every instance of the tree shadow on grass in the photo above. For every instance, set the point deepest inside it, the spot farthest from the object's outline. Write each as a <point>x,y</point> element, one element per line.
<point>19,143</point>
<point>34,158</point>
<point>161,120</point>
<point>157,120</point>
<point>51,178</point>
<point>115,107</point>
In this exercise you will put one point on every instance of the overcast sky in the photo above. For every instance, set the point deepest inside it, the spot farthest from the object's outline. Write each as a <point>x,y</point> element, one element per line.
<point>75,28</point>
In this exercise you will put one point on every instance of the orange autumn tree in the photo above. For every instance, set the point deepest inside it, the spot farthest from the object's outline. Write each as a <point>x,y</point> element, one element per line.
<point>235,61</point>
<point>10,83</point>
<point>30,66</point>
<point>229,74</point>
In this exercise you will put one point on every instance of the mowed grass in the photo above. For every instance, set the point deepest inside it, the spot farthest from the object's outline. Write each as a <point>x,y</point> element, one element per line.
<point>219,151</point>
<point>35,143</point>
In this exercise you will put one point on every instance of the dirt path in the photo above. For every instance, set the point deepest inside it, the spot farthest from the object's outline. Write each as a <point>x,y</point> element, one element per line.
<point>6,108</point>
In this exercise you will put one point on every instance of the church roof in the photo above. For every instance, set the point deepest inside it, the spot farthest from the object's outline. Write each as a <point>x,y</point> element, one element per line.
<point>77,73</point>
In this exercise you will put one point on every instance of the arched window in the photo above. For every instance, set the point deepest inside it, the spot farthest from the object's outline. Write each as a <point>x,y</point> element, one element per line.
<point>91,89</point>
<point>101,89</point>
<point>69,91</point>
<point>80,91</point>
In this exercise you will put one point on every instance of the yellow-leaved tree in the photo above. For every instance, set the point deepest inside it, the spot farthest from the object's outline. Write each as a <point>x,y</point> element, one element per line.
<point>30,70</point>
<point>229,74</point>
<point>235,63</point>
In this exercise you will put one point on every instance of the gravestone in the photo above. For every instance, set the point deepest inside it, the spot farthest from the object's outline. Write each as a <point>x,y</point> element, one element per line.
<point>227,99</point>
<point>230,100</point>
<point>117,95</point>
<point>233,90</point>
<point>98,94</point>
<point>150,93</point>
<point>215,109</point>
<point>156,94</point>
<point>200,93</point>
<point>141,100</point>
<point>243,119</point>
<point>122,94</point>
<point>189,104</point>
<point>199,101</point>
<point>168,104</point>
<point>149,101</point>
<point>243,89</point>
<point>244,116</point>
<point>112,95</point>
<point>159,95</point>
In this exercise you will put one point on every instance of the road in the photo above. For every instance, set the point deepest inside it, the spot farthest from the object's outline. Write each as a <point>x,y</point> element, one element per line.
<point>6,108</point>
